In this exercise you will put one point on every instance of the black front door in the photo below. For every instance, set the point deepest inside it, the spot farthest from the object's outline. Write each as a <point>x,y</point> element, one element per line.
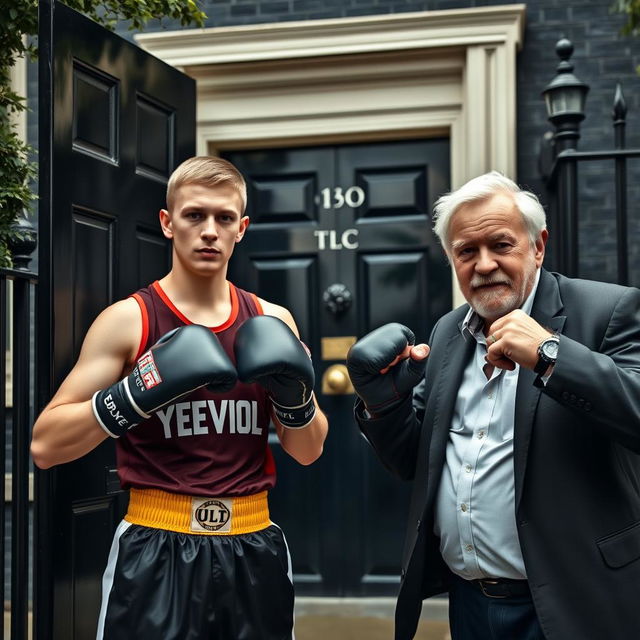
<point>114,123</point>
<point>342,237</point>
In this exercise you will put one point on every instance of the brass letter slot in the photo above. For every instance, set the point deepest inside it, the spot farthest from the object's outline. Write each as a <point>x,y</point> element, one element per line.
<point>336,348</point>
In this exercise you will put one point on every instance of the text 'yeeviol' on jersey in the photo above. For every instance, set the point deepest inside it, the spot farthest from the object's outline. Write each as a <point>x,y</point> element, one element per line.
<point>205,444</point>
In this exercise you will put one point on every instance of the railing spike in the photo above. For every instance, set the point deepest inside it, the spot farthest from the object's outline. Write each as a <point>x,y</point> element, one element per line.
<point>619,105</point>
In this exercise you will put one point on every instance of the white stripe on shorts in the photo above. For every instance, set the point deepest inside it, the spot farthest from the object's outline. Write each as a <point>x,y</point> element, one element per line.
<point>107,577</point>
<point>289,573</point>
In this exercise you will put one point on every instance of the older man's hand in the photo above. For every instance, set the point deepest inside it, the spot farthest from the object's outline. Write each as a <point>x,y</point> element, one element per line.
<point>514,339</point>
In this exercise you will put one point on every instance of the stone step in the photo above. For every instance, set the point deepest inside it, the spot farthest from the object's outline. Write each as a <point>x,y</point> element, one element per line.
<point>370,618</point>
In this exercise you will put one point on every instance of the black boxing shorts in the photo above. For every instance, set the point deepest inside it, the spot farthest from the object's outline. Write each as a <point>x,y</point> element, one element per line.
<point>183,568</point>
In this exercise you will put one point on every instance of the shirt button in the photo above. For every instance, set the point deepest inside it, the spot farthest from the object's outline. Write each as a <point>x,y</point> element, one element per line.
<point>463,506</point>
<point>467,468</point>
<point>480,435</point>
<point>468,547</point>
<point>489,395</point>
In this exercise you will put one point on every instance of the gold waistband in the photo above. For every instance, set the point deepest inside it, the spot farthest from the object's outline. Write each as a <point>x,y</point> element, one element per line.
<point>199,515</point>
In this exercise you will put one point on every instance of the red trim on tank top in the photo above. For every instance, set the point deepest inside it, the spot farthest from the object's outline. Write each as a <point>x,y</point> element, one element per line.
<point>256,301</point>
<point>269,462</point>
<point>225,325</point>
<point>145,324</point>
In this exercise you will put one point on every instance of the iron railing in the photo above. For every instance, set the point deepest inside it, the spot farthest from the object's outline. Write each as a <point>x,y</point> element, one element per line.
<point>17,356</point>
<point>563,193</point>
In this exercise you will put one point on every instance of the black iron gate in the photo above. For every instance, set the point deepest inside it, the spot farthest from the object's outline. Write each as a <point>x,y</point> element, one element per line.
<point>17,289</point>
<point>567,173</point>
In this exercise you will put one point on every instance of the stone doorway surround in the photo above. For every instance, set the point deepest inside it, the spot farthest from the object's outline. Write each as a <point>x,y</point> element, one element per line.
<point>384,77</point>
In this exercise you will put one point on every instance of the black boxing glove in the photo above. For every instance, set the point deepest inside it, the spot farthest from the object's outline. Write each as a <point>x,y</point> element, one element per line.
<point>269,353</point>
<point>182,361</point>
<point>383,391</point>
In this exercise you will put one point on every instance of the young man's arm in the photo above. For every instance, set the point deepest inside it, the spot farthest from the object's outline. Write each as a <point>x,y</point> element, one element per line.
<point>67,428</point>
<point>304,445</point>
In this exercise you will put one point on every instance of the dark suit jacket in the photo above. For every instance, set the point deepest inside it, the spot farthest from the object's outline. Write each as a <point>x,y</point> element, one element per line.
<point>576,460</point>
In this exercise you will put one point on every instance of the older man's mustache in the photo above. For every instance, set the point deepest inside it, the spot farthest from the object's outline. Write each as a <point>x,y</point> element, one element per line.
<point>487,281</point>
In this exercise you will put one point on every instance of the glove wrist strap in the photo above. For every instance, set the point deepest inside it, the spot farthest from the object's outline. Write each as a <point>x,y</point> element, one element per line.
<point>114,411</point>
<point>295,417</point>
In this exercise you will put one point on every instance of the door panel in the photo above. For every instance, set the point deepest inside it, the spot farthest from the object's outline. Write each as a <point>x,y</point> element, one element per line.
<point>341,236</point>
<point>117,124</point>
<point>95,112</point>
<point>400,279</point>
<point>92,244</point>
<point>150,248</point>
<point>294,280</point>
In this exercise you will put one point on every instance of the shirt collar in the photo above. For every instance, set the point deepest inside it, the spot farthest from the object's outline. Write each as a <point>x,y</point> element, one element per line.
<point>473,324</point>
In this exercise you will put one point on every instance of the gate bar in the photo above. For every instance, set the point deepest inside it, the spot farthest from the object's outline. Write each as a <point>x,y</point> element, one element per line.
<point>20,456</point>
<point>565,156</point>
<point>619,125</point>
<point>568,197</point>
<point>3,422</point>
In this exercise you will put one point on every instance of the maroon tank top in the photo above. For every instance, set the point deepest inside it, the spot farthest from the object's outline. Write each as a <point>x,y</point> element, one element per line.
<point>206,444</point>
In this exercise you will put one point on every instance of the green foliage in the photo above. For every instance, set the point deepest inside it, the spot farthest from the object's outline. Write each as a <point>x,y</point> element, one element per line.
<point>138,12</point>
<point>631,9</point>
<point>15,169</point>
<point>18,20</point>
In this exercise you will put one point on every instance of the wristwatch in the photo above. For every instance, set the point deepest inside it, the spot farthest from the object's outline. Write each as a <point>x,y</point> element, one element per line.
<point>547,354</point>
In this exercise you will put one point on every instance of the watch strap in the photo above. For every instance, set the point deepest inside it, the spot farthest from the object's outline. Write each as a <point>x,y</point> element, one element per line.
<point>544,362</point>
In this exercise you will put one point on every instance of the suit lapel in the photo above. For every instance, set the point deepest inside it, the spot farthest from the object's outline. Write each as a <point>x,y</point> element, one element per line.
<point>547,306</point>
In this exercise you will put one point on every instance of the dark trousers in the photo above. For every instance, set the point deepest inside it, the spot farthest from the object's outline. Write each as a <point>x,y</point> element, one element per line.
<point>474,616</point>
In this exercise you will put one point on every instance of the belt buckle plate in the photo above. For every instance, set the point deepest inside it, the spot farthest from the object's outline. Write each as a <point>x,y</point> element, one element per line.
<point>487,581</point>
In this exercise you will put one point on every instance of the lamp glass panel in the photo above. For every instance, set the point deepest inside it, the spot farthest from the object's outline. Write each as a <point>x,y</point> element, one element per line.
<point>565,100</point>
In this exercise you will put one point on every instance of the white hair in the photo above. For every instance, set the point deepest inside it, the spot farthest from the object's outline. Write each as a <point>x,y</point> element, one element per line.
<point>482,188</point>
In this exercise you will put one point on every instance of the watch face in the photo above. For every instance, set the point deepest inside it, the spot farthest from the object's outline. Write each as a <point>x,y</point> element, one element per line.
<point>550,349</point>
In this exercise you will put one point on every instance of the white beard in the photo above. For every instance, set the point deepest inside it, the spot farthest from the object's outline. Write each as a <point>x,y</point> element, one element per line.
<point>493,304</point>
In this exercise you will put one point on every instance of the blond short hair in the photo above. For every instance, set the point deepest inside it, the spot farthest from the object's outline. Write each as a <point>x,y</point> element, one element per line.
<point>207,171</point>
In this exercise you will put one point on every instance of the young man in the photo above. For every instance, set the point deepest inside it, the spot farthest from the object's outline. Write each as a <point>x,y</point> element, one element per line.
<point>196,556</point>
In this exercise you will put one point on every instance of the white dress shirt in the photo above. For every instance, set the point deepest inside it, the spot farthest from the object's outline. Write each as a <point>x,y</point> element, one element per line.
<point>475,505</point>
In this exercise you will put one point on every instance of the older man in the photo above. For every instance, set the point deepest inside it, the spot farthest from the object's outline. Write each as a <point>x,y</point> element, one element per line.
<point>522,439</point>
